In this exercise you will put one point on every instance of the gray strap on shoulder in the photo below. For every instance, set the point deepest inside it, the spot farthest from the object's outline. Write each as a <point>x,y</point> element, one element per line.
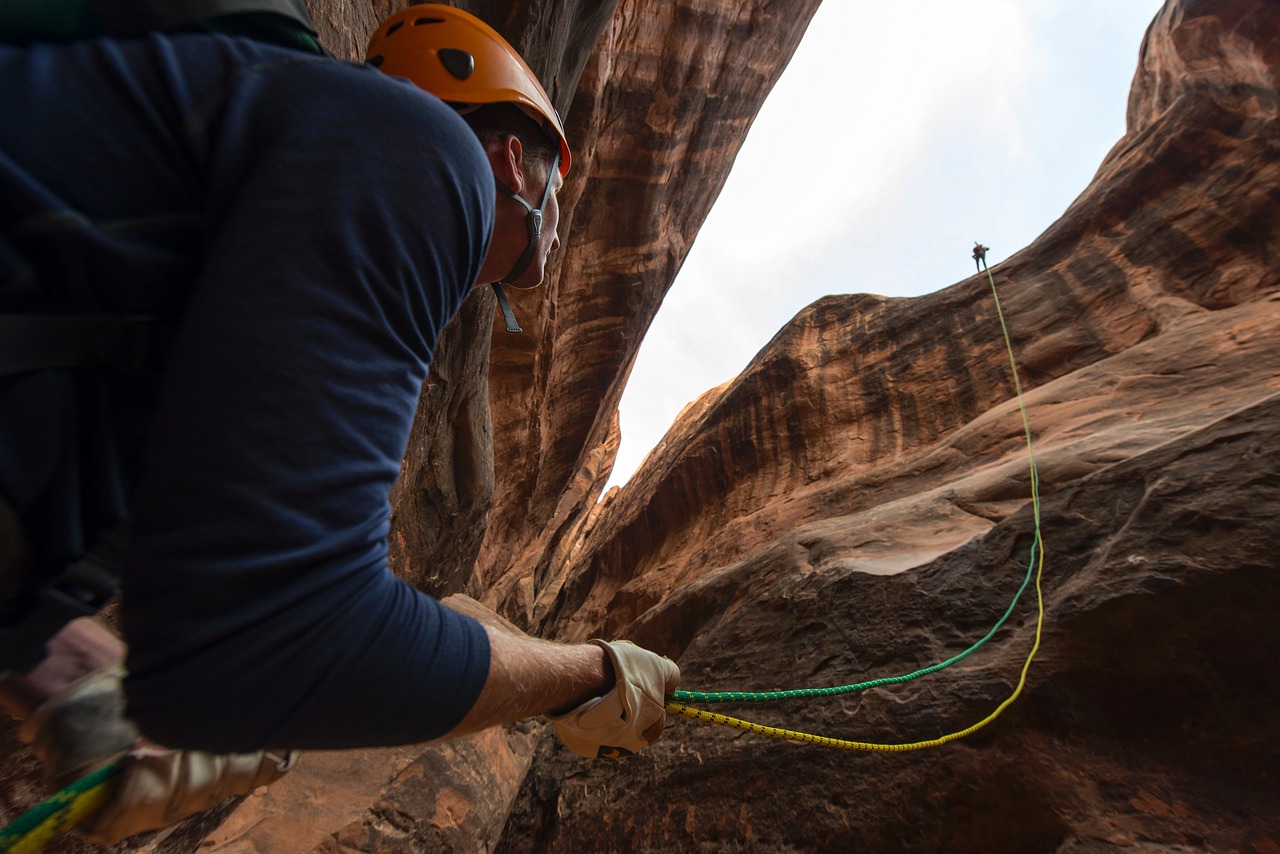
<point>134,18</point>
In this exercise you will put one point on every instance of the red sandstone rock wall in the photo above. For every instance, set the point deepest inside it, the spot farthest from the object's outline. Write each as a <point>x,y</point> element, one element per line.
<point>855,504</point>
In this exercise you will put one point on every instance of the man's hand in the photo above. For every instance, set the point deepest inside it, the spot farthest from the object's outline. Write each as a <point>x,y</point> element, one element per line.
<point>159,787</point>
<point>615,691</point>
<point>631,716</point>
<point>81,728</point>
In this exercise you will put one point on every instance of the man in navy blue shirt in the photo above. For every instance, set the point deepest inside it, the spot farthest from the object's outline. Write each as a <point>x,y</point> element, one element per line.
<point>311,226</point>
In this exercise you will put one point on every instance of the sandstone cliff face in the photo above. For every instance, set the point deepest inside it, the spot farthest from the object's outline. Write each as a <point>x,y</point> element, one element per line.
<point>856,503</point>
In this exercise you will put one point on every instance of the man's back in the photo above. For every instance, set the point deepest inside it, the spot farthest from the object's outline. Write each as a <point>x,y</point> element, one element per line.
<point>309,226</point>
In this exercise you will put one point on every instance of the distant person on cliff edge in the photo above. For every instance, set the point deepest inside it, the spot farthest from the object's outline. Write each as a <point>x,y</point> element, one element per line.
<point>225,260</point>
<point>979,255</point>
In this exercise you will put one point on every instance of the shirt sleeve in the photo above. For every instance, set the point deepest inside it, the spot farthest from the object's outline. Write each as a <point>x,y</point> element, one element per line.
<point>349,215</point>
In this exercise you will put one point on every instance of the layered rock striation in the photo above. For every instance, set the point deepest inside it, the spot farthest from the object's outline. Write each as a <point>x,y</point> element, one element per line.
<point>856,504</point>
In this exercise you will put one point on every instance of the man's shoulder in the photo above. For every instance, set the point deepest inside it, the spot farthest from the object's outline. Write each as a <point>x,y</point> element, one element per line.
<point>436,128</point>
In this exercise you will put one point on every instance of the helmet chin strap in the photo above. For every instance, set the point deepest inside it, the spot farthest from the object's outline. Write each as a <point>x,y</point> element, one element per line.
<point>533,231</point>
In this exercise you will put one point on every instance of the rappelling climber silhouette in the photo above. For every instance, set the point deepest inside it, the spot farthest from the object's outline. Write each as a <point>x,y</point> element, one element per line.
<point>979,255</point>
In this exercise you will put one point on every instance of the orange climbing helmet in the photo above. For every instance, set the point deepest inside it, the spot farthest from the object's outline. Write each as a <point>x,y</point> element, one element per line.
<point>462,60</point>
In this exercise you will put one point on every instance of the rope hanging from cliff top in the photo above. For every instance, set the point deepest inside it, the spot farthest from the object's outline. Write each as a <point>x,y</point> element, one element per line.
<point>1035,568</point>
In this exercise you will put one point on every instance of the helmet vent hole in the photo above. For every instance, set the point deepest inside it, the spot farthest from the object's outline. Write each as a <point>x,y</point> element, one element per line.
<point>391,29</point>
<point>417,22</point>
<point>459,63</point>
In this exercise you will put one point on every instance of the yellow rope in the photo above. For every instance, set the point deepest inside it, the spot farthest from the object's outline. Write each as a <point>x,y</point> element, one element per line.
<point>36,828</point>
<point>1037,546</point>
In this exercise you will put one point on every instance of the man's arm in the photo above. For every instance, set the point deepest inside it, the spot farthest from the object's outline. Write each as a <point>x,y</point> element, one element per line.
<point>528,676</point>
<point>605,699</point>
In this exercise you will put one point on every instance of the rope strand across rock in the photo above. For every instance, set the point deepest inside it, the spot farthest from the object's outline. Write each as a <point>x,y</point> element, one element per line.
<point>676,702</point>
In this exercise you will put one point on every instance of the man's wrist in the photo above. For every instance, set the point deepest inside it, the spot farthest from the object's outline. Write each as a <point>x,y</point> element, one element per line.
<point>597,677</point>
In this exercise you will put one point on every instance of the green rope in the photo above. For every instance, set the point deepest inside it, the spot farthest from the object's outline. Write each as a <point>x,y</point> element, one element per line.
<point>806,693</point>
<point>34,829</point>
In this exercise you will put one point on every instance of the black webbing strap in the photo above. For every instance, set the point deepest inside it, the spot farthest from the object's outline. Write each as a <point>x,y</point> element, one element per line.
<point>84,588</point>
<point>37,342</point>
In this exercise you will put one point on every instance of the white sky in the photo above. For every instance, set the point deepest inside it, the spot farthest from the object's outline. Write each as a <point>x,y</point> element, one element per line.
<point>899,134</point>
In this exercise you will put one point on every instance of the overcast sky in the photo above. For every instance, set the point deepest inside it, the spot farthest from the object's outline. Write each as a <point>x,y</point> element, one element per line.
<point>899,134</point>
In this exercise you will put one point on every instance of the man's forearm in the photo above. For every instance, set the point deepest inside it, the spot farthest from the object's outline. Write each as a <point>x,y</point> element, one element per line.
<point>528,676</point>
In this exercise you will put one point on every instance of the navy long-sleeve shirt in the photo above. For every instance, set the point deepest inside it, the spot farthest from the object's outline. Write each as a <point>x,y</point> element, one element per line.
<point>311,226</point>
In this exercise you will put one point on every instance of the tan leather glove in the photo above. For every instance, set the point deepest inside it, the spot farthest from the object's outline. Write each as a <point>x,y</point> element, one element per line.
<point>160,787</point>
<point>83,728</point>
<point>631,716</point>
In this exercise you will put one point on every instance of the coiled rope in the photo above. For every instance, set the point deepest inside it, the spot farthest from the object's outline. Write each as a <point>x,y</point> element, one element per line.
<point>676,701</point>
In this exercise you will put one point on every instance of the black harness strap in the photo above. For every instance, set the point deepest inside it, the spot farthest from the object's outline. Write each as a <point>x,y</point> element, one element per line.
<point>83,589</point>
<point>37,342</point>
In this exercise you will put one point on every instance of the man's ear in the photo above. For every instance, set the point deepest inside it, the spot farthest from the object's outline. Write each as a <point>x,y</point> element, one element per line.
<point>506,157</point>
